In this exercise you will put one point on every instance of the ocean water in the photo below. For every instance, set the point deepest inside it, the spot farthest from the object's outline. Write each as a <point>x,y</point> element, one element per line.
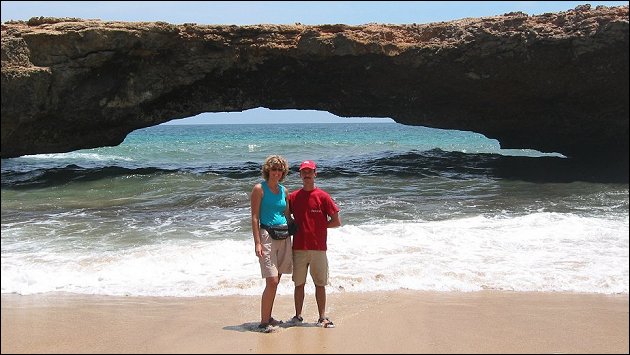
<point>166,213</point>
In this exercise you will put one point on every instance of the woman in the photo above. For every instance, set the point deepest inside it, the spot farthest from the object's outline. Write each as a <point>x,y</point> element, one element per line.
<point>270,207</point>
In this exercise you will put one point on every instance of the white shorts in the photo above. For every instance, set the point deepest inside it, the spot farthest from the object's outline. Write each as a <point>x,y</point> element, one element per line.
<point>277,256</point>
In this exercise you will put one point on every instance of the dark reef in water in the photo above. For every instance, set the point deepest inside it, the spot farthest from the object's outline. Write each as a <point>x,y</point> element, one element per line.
<point>414,164</point>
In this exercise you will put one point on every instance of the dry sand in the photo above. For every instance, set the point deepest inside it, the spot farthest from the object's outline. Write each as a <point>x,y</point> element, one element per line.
<point>375,322</point>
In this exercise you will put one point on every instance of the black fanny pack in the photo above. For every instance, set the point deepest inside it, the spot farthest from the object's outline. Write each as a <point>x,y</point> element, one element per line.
<point>280,232</point>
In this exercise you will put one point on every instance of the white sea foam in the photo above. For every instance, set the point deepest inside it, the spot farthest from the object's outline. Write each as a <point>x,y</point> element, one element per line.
<point>78,156</point>
<point>547,252</point>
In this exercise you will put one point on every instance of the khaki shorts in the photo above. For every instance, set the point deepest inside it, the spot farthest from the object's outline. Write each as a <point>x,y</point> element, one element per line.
<point>318,262</point>
<point>277,258</point>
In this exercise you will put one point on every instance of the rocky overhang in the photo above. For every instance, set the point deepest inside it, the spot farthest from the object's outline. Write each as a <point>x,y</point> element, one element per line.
<point>556,82</point>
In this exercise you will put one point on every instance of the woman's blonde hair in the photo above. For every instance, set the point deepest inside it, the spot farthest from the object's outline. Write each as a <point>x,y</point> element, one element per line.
<point>275,160</point>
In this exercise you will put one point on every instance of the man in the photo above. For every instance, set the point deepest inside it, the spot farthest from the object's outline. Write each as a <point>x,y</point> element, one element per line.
<point>314,211</point>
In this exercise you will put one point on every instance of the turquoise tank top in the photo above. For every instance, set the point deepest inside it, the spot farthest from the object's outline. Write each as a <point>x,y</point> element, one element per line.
<point>272,206</point>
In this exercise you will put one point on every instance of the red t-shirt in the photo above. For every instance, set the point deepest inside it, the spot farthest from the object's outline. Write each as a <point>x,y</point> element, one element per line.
<point>311,210</point>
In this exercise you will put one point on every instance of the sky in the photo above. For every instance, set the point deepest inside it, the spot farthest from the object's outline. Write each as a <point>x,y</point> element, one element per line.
<point>281,12</point>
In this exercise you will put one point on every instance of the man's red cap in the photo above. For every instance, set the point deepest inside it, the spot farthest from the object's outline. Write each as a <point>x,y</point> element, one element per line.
<point>308,164</point>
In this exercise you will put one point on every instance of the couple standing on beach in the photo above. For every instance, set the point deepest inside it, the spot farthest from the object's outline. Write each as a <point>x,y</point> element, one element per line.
<point>313,211</point>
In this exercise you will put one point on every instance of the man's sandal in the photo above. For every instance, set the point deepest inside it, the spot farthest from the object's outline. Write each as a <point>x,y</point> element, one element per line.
<point>274,322</point>
<point>265,328</point>
<point>325,323</point>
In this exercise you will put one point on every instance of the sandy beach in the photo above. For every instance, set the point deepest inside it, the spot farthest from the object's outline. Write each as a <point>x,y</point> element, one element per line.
<point>379,322</point>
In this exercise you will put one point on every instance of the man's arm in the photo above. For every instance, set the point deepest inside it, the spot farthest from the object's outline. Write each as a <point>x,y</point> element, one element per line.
<point>334,221</point>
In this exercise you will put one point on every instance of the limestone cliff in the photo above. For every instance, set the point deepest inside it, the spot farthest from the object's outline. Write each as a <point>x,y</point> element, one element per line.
<point>555,82</point>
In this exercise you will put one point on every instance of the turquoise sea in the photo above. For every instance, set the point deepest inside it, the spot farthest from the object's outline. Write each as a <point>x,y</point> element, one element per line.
<point>166,213</point>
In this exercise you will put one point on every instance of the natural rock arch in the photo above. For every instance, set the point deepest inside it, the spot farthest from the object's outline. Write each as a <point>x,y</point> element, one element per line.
<point>554,82</point>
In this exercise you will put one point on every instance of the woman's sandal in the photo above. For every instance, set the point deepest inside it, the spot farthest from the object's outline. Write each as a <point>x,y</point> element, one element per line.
<point>325,323</point>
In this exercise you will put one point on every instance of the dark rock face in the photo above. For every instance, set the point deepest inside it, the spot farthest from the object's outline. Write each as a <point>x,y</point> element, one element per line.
<point>555,82</point>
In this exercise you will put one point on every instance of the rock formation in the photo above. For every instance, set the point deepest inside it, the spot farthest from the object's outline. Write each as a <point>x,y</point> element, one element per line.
<point>556,82</point>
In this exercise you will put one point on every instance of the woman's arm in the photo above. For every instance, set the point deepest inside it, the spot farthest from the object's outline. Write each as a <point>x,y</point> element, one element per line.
<point>256,198</point>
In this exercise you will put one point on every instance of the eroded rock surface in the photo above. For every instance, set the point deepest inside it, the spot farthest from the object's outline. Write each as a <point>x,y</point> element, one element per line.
<point>556,82</point>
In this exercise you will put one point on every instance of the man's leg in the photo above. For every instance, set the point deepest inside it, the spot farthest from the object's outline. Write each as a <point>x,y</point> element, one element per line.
<point>298,299</point>
<point>300,268</point>
<point>320,297</point>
